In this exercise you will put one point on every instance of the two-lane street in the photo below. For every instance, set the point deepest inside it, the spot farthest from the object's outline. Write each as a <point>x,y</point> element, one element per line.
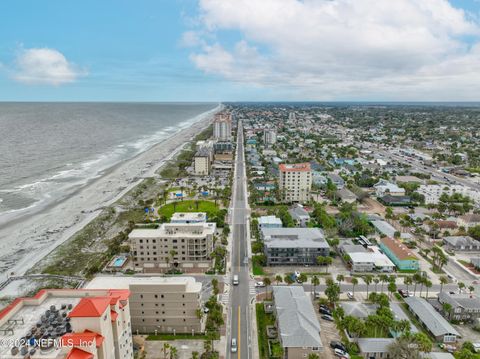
<point>239,311</point>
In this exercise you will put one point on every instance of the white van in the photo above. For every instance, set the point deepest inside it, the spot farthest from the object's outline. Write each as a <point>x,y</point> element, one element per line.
<point>235,280</point>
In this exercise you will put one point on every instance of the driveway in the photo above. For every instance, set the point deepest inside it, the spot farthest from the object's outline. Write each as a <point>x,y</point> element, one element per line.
<point>328,332</point>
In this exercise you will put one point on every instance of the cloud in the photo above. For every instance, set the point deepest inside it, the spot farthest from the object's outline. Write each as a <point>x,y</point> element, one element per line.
<point>323,49</point>
<point>45,66</point>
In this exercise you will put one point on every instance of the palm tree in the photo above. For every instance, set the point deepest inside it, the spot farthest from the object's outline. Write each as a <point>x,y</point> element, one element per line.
<point>447,309</point>
<point>383,279</point>
<point>428,284</point>
<point>471,289</point>
<point>368,280</point>
<point>416,279</point>
<point>443,280</point>
<point>195,355</point>
<point>267,283</point>
<point>461,285</point>
<point>376,280</point>
<point>340,278</point>
<point>173,353</point>
<point>278,279</point>
<point>392,287</point>
<point>407,281</point>
<point>354,283</point>
<point>165,348</point>
<point>315,282</point>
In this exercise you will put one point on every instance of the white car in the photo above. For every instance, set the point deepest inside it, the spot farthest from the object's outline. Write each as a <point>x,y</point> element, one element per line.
<point>341,353</point>
<point>233,347</point>
<point>259,284</point>
<point>350,295</point>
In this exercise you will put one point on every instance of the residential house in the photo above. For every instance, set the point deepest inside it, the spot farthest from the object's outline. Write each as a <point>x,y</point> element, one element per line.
<point>347,196</point>
<point>297,323</point>
<point>384,187</point>
<point>465,307</point>
<point>432,320</point>
<point>469,220</point>
<point>461,243</point>
<point>299,215</point>
<point>269,222</point>
<point>373,348</point>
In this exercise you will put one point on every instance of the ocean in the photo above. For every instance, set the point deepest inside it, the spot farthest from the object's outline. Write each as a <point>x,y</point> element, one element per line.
<point>48,150</point>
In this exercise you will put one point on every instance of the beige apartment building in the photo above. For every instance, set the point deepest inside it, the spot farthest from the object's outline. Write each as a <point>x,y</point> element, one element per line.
<point>160,304</point>
<point>202,162</point>
<point>295,182</point>
<point>183,246</point>
<point>68,324</point>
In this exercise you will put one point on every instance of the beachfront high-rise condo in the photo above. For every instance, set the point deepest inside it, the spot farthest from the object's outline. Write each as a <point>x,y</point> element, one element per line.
<point>222,127</point>
<point>68,323</point>
<point>295,182</point>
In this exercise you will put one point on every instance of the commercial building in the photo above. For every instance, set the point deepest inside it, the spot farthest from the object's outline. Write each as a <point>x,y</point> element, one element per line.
<point>202,162</point>
<point>297,323</point>
<point>294,246</point>
<point>433,192</point>
<point>295,182</point>
<point>159,304</point>
<point>181,246</point>
<point>465,307</point>
<point>370,261</point>
<point>66,323</point>
<point>441,329</point>
<point>222,126</point>
<point>269,222</point>
<point>399,254</point>
<point>461,243</point>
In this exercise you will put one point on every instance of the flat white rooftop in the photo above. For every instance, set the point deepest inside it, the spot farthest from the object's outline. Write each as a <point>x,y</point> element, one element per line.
<point>124,282</point>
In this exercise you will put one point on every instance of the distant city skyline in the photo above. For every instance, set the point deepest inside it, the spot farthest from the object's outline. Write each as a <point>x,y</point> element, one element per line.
<point>242,50</point>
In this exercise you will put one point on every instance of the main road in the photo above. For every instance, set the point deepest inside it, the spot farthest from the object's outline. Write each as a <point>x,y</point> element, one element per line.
<point>239,311</point>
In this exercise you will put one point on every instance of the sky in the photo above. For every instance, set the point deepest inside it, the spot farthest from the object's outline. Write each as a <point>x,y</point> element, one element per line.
<point>240,50</point>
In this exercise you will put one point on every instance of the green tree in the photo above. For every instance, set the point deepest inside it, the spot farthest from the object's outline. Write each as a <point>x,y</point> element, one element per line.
<point>315,282</point>
<point>443,281</point>
<point>278,279</point>
<point>340,279</point>
<point>368,280</point>
<point>354,283</point>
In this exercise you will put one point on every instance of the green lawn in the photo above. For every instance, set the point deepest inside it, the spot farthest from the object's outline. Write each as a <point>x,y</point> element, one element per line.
<point>189,206</point>
<point>263,320</point>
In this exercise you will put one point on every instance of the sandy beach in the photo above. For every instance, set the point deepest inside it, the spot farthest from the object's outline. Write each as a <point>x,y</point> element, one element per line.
<point>24,241</point>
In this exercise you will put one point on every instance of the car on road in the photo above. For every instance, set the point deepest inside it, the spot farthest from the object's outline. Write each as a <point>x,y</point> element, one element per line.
<point>235,280</point>
<point>233,346</point>
<point>350,295</point>
<point>259,284</point>
<point>341,353</point>
<point>327,317</point>
<point>338,345</point>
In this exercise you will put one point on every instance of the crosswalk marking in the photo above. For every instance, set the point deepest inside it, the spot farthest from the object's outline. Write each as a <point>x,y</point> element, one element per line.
<point>251,288</point>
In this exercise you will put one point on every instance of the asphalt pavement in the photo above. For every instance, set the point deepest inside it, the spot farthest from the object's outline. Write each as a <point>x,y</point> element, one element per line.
<point>239,311</point>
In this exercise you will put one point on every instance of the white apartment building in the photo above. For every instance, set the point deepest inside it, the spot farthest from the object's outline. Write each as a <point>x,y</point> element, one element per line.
<point>269,136</point>
<point>68,324</point>
<point>183,246</point>
<point>222,127</point>
<point>159,304</point>
<point>295,181</point>
<point>433,192</point>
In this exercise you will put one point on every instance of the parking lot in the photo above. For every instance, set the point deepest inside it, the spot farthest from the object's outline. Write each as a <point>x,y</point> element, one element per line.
<point>328,332</point>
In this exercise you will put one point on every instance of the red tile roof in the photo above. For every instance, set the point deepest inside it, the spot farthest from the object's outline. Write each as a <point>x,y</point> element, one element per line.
<point>90,307</point>
<point>81,339</point>
<point>296,167</point>
<point>76,353</point>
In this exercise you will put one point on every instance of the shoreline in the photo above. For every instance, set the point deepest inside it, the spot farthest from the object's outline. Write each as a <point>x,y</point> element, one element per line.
<point>58,221</point>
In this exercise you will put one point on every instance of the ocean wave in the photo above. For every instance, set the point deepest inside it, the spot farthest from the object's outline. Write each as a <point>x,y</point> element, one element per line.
<point>66,180</point>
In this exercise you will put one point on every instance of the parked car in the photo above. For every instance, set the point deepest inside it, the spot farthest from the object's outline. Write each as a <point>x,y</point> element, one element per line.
<point>341,353</point>
<point>325,311</point>
<point>259,284</point>
<point>403,293</point>
<point>339,345</point>
<point>350,295</point>
<point>327,317</point>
